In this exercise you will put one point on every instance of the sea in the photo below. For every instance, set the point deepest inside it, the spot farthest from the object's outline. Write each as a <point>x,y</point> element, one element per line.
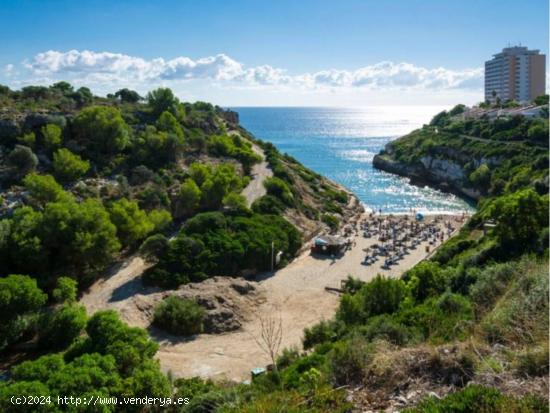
<point>340,144</point>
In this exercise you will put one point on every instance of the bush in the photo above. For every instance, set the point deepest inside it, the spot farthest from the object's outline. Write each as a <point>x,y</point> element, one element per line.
<point>101,130</point>
<point>519,217</point>
<point>190,195</point>
<point>23,159</point>
<point>52,135</point>
<point>212,243</point>
<point>353,285</point>
<point>425,280</point>
<point>318,333</point>
<point>279,189</point>
<point>520,314</point>
<point>19,294</point>
<point>348,361</point>
<point>386,328</point>
<point>43,189</point>
<point>179,316</point>
<point>439,319</point>
<point>63,326</point>
<point>154,247</point>
<point>477,398</point>
<point>533,362</point>
<point>131,222</point>
<point>161,100</point>
<point>287,357</point>
<point>481,176</point>
<point>68,166</point>
<point>291,376</point>
<point>268,204</point>
<point>491,283</point>
<point>382,296</point>
<point>66,290</point>
<point>330,220</point>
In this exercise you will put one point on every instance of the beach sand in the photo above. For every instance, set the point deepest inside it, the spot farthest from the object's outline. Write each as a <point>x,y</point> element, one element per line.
<point>298,296</point>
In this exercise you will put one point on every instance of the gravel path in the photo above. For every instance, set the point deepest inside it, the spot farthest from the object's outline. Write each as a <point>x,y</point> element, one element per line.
<point>123,281</point>
<point>255,189</point>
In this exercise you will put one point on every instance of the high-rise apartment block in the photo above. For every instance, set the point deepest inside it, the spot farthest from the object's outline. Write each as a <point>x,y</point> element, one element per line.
<point>516,73</point>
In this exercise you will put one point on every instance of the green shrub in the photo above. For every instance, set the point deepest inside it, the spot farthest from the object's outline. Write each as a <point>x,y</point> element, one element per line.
<point>154,247</point>
<point>179,316</point>
<point>519,218</point>
<point>193,387</point>
<point>291,376</point>
<point>477,398</point>
<point>491,283</point>
<point>520,315</point>
<point>439,319</point>
<point>348,361</point>
<point>215,244</point>
<point>279,189</point>
<point>23,160</point>
<point>101,130</point>
<point>330,220</point>
<point>352,285</point>
<point>287,357</point>
<point>132,223</point>
<point>68,166</point>
<point>533,362</point>
<point>382,295</point>
<point>268,204</point>
<point>319,333</point>
<point>425,280</point>
<point>63,326</point>
<point>51,134</point>
<point>386,328</point>
<point>66,290</point>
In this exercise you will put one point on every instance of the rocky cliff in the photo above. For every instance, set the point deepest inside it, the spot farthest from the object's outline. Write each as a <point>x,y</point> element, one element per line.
<point>444,174</point>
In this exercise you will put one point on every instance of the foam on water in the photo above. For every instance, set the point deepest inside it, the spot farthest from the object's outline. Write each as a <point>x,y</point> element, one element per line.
<point>341,143</point>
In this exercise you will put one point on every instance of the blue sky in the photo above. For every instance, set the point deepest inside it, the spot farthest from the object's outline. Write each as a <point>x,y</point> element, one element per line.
<point>345,53</point>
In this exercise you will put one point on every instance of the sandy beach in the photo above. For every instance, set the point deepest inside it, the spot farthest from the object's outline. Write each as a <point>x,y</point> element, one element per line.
<point>297,293</point>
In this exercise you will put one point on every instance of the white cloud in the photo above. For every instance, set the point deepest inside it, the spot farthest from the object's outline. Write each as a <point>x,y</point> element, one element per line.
<point>115,67</point>
<point>8,70</point>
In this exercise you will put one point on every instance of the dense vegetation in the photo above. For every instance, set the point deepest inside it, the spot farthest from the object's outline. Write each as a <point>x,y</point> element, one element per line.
<point>212,243</point>
<point>479,305</point>
<point>495,156</point>
<point>86,179</point>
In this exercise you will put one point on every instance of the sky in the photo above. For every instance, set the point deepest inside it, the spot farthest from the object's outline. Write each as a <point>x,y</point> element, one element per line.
<point>268,53</point>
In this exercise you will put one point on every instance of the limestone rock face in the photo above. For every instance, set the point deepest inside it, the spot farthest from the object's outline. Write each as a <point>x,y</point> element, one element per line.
<point>443,169</point>
<point>225,300</point>
<point>444,173</point>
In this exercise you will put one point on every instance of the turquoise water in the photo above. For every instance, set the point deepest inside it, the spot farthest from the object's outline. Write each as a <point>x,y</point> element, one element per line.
<point>341,143</point>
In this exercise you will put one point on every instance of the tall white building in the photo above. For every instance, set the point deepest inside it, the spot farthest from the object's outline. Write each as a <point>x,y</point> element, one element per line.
<point>516,73</point>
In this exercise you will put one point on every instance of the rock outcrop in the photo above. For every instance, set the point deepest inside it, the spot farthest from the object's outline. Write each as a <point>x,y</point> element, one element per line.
<point>446,174</point>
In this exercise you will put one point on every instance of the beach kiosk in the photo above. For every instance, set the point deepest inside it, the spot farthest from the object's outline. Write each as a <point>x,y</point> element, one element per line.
<point>328,245</point>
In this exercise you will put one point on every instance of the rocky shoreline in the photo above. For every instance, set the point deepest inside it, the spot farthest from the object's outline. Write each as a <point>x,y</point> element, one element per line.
<point>442,174</point>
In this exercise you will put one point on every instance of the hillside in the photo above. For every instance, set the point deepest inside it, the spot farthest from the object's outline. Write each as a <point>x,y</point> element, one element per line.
<point>473,157</point>
<point>87,183</point>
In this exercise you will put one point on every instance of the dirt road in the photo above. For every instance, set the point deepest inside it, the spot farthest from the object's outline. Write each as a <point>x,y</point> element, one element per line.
<point>255,189</point>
